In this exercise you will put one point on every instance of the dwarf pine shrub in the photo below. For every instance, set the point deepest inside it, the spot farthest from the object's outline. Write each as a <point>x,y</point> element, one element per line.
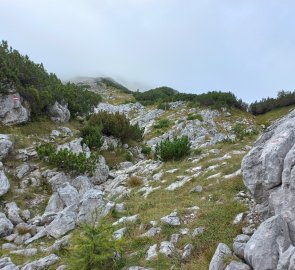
<point>92,136</point>
<point>173,149</point>
<point>67,160</point>
<point>116,125</point>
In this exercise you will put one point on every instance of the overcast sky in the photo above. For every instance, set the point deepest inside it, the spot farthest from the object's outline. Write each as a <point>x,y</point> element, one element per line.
<point>243,46</point>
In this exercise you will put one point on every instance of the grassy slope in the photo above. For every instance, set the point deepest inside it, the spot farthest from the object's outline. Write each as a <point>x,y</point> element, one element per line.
<point>216,202</point>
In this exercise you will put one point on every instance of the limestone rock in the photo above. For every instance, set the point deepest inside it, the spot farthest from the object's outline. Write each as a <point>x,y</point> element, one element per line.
<point>4,182</point>
<point>167,248</point>
<point>219,257</point>
<point>152,253</point>
<point>13,213</point>
<point>12,109</point>
<point>6,226</point>
<point>171,219</point>
<point>41,264</point>
<point>234,265</point>
<point>63,223</point>
<point>6,264</point>
<point>90,206</point>
<point>5,145</point>
<point>101,172</point>
<point>263,249</point>
<point>118,234</point>
<point>59,113</point>
<point>187,251</point>
<point>239,245</point>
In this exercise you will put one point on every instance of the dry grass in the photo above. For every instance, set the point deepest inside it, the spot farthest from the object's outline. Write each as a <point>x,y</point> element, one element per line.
<point>134,181</point>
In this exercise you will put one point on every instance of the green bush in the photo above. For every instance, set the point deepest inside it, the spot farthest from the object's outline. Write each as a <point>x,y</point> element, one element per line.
<point>163,123</point>
<point>146,150</point>
<point>116,125</point>
<point>173,149</point>
<point>92,136</point>
<point>195,116</point>
<point>93,248</point>
<point>67,160</point>
<point>163,106</point>
<point>241,130</point>
<point>216,99</point>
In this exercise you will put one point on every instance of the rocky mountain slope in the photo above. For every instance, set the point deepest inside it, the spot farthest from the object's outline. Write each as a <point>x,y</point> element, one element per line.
<point>168,215</point>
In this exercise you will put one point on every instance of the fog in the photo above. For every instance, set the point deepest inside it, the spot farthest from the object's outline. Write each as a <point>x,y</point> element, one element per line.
<point>246,47</point>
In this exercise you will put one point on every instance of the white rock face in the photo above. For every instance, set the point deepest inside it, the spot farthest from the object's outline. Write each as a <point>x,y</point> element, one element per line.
<point>12,111</point>
<point>5,145</point>
<point>269,174</point>
<point>59,113</point>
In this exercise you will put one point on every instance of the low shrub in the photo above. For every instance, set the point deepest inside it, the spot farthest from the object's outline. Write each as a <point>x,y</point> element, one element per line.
<point>67,160</point>
<point>94,248</point>
<point>145,149</point>
<point>195,116</point>
<point>163,106</point>
<point>116,125</point>
<point>173,149</point>
<point>163,123</point>
<point>241,130</point>
<point>92,136</point>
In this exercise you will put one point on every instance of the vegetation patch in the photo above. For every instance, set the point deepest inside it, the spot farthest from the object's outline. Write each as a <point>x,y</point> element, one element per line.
<point>39,88</point>
<point>173,149</point>
<point>195,117</point>
<point>116,125</point>
<point>93,248</point>
<point>67,160</point>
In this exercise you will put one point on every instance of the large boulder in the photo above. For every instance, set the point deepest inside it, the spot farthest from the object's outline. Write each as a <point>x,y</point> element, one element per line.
<point>91,206</point>
<point>5,145</point>
<point>269,163</point>
<point>269,174</point>
<point>63,223</point>
<point>13,109</point>
<point>263,249</point>
<point>59,113</point>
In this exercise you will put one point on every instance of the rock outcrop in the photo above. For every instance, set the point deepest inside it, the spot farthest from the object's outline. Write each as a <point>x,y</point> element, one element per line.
<point>269,174</point>
<point>5,145</point>
<point>13,109</point>
<point>59,113</point>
